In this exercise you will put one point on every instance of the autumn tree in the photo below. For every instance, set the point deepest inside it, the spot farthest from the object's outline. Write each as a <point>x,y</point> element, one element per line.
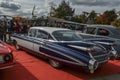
<point>107,17</point>
<point>63,11</point>
<point>116,23</point>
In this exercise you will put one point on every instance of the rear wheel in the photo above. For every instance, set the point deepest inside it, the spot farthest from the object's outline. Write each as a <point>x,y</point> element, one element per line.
<point>54,63</point>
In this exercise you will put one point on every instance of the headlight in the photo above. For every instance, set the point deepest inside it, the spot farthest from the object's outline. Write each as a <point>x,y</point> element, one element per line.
<point>8,57</point>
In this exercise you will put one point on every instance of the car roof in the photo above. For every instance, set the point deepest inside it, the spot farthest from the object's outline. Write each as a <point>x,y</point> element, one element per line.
<point>102,26</point>
<point>48,29</point>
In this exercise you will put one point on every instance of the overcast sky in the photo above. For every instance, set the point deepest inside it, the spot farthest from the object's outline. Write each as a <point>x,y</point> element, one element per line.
<point>24,7</point>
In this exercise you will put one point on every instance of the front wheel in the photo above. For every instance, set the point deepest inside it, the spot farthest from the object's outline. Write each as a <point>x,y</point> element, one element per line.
<point>54,63</point>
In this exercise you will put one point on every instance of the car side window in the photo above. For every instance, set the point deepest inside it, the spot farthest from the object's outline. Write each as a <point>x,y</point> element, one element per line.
<point>90,30</point>
<point>42,34</point>
<point>32,33</point>
<point>103,32</point>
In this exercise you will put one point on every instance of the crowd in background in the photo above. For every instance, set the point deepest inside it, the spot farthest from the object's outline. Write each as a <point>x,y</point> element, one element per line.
<point>8,27</point>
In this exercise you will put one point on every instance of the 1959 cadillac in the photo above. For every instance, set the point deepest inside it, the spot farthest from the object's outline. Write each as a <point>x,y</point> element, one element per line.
<point>61,46</point>
<point>6,57</point>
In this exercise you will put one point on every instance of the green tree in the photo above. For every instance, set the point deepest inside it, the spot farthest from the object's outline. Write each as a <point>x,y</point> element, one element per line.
<point>63,11</point>
<point>91,17</point>
<point>76,18</point>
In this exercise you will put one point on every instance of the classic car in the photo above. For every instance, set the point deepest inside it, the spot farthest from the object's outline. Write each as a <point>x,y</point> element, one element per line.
<point>6,56</point>
<point>109,44</point>
<point>101,33</point>
<point>61,46</point>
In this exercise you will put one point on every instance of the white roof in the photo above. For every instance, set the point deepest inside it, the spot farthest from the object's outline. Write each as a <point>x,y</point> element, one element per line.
<point>48,29</point>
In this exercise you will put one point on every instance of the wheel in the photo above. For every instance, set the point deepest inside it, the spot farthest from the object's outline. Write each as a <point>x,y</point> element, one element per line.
<point>16,45</point>
<point>54,63</point>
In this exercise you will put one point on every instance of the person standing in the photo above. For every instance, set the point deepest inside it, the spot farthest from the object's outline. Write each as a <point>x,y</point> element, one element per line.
<point>1,32</point>
<point>17,27</point>
<point>10,26</point>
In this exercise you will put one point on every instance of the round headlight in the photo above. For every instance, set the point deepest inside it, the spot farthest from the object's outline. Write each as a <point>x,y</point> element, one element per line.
<point>8,58</point>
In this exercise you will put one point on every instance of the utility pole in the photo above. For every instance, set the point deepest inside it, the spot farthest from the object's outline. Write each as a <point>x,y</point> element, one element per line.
<point>33,12</point>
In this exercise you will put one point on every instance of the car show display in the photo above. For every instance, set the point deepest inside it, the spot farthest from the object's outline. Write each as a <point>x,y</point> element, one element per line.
<point>62,46</point>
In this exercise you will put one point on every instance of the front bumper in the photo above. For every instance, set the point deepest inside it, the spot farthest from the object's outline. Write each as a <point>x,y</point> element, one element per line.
<point>113,54</point>
<point>7,65</point>
<point>93,65</point>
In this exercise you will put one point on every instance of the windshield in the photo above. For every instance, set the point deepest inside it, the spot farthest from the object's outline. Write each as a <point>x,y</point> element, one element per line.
<point>66,35</point>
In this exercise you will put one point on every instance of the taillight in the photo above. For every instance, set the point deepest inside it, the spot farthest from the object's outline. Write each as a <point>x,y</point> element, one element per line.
<point>8,58</point>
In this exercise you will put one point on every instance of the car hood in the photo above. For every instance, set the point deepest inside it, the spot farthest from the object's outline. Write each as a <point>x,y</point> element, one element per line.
<point>4,49</point>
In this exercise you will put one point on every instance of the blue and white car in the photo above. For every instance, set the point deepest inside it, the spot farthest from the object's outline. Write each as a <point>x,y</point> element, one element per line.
<point>61,46</point>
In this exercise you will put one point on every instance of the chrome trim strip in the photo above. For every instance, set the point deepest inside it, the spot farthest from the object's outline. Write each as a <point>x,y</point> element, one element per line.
<point>6,67</point>
<point>79,47</point>
<point>104,43</point>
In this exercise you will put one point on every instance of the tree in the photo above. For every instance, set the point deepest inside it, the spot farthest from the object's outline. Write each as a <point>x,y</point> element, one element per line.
<point>107,17</point>
<point>76,18</point>
<point>91,17</point>
<point>116,23</point>
<point>63,11</point>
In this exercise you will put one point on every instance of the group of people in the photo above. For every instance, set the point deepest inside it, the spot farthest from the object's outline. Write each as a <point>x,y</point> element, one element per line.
<point>8,27</point>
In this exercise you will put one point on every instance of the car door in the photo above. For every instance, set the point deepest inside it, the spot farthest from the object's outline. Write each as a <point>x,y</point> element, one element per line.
<point>39,41</point>
<point>29,41</point>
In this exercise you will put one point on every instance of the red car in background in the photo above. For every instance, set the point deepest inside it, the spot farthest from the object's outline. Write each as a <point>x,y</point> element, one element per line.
<point>6,56</point>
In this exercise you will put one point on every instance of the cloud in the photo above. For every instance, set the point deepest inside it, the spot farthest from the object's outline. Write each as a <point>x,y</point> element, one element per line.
<point>96,2</point>
<point>25,7</point>
<point>52,4</point>
<point>1,12</point>
<point>10,5</point>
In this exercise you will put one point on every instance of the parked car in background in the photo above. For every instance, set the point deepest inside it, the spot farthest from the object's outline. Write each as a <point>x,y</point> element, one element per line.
<point>110,44</point>
<point>106,31</point>
<point>95,32</point>
<point>6,56</point>
<point>61,46</point>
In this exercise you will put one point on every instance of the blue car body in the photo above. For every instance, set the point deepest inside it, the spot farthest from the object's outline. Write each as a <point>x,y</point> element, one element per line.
<point>62,49</point>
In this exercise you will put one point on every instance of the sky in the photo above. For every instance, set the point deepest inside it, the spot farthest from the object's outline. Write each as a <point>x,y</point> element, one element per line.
<point>42,7</point>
